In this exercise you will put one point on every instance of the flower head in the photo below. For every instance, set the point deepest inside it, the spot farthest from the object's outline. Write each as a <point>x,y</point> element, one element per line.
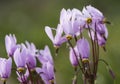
<point>5,68</point>
<point>58,39</point>
<point>10,43</point>
<point>20,58</point>
<point>47,70</point>
<point>95,13</point>
<point>47,73</point>
<point>69,22</point>
<point>30,52</point>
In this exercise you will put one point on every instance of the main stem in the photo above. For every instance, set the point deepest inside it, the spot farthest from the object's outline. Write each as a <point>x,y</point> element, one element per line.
<point>90,80</point>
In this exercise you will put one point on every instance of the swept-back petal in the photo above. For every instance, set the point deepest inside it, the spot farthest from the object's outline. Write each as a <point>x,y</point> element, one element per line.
<point>49,33</point>
<point>83,48</point>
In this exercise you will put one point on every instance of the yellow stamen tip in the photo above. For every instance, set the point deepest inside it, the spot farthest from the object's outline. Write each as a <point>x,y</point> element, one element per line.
<point>3,79</point>
<point>32,70</point>
<point>104,20</point>
<point>89,20</point>
<point>51,81</point>
<point>85,60</point>
<point>69,37</point>
<point>56,47</point>
<point>20,69</point>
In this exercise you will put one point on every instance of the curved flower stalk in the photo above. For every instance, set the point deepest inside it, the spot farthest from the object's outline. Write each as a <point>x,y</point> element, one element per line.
<point>58,39</point>
<point>10,44</point>
<point>5,68</point>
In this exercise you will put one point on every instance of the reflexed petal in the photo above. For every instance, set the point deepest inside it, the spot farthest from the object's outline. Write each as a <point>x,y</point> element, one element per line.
<point>77,12</point>
<point>101,39</point>
<point>31,61</point>
<point>7,43</point>
<point>5,67</point>
<point>50,70</point>
<point>41,59</point>
<point>10,44</point>
<point>59,32</point>
<point>62,15</point>
<point>39,70</point>
<point>94,12</point>
<point>9,66</point>
<point>49,33</point>
<point>62,40</point>
<point>47,54</point>
<point>30,47</point>
<point>86,13</point>
<point>83,48</point>
<point>73,58</point>
<point>19,57</point>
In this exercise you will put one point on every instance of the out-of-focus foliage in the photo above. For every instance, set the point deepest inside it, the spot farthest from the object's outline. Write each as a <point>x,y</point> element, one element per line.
<point>27,19</point>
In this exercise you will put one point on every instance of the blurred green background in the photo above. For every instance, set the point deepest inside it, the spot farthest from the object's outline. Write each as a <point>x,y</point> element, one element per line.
<point>27,19</point>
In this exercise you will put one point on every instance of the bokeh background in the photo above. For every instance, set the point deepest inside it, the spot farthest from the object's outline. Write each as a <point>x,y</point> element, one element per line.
<point>28,18</point>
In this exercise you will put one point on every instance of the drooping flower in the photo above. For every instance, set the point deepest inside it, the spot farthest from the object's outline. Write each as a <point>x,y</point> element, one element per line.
<point>47,70</point>
<point>30,51</point>
<point>97,20</point>
<point>98,38</point>
<point>58,39</point>
<point>95,13</point>
<point>86,19</point>
<point>10,44</point>
<point>101,29</point>
<point>69,22</point>
<point>5,68</point>
<point>47,73</point>
<point>20,58</point>
<point>74,56</point>
<point>83,48</point>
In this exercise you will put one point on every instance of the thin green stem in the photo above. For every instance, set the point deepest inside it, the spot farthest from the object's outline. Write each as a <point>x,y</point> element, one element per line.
<point>97,50</point>
<point>93,50</point>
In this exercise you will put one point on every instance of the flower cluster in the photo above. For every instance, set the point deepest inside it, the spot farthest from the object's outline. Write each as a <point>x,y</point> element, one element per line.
<point>74,22</point>
<point>72,25</point>
<point>83,52</point>
<point>25,57</point>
